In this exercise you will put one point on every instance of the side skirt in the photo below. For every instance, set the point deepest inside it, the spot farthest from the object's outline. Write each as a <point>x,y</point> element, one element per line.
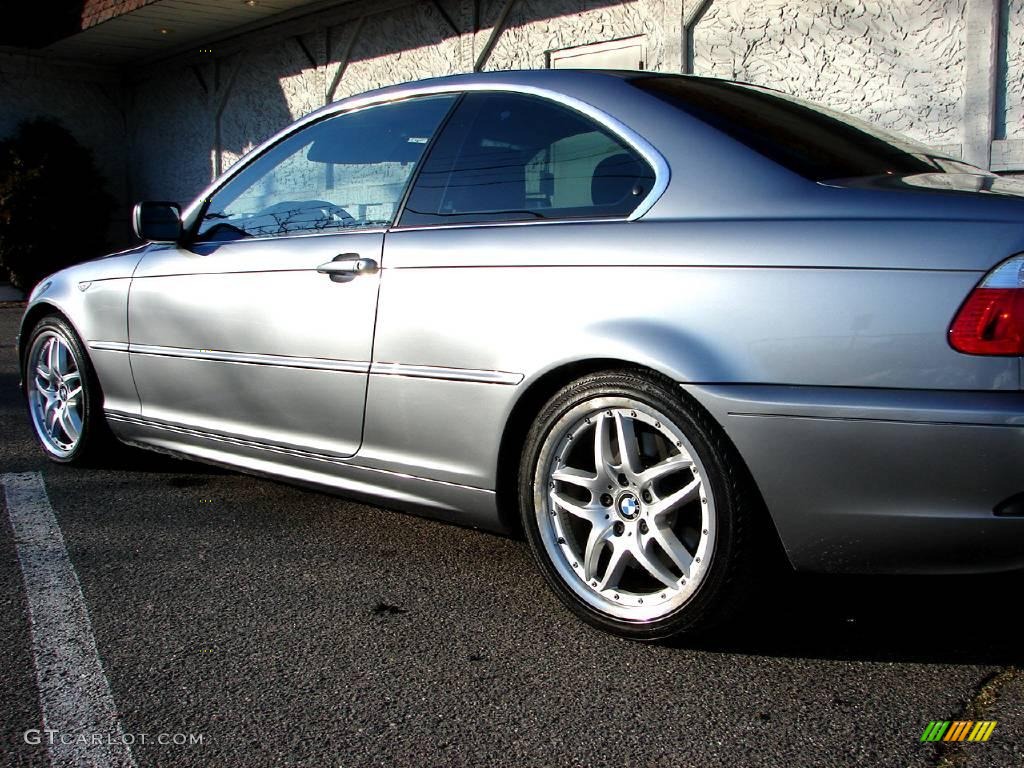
<point>451,502</point>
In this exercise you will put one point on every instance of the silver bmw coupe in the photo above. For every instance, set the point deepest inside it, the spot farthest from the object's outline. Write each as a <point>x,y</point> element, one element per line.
<point>662,324</point>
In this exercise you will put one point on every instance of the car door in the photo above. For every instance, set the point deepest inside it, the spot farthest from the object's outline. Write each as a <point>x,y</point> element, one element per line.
<point>259,327</point>
<point>483,282</point>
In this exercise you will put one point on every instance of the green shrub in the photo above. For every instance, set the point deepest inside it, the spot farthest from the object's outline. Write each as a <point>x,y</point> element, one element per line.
<point>54,210</point>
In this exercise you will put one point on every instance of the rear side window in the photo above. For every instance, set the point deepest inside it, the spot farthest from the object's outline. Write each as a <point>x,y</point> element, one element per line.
<point>508,157</point>
<point>812,141</point>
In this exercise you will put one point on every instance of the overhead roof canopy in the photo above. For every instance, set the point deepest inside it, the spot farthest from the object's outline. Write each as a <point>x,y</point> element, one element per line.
<point>118,32</point>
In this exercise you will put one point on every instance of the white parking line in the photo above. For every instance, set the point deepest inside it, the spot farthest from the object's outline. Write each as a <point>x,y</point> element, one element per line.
<point>81,722</point>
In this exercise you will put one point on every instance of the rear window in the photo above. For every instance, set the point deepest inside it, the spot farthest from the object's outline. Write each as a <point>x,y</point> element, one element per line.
<point>810,140</point>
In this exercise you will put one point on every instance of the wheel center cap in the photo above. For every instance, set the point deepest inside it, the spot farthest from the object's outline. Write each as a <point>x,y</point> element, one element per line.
<point>62,392</point>
<point>629,506</point>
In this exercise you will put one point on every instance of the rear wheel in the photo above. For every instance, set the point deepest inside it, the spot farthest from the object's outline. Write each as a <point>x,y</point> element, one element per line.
<point>632,507</point>
<point>63,395</point>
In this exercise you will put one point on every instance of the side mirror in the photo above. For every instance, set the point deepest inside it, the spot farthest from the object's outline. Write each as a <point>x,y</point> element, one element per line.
<point>157,222</point>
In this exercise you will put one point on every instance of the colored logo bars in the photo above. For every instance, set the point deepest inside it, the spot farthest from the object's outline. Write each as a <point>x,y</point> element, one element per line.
<point>958,730</point>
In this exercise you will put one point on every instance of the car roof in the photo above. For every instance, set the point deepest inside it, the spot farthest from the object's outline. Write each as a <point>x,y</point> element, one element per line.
<point>565,80</point>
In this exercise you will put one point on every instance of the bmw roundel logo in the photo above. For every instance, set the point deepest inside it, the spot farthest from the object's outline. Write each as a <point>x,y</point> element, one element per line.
<point>629,507</point>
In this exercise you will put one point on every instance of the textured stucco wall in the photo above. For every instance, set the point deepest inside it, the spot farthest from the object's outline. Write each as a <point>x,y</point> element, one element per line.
<point>407,44</point>
<point>86,102</point>
<point>275,85</point>
<point>277,82</point>
<point>170,135</point>
<point>1015,70</point>
<point>537,26</point>
<point>897,64</point>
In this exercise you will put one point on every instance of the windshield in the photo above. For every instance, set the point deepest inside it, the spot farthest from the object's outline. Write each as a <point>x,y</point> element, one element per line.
<point>811,140</point>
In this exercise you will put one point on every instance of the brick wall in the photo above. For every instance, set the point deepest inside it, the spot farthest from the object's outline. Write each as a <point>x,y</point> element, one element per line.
<point>97,11</point>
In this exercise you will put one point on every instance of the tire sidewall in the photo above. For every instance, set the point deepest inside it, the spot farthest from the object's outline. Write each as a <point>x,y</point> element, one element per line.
<point>90,406</point>
<point>698,610</point>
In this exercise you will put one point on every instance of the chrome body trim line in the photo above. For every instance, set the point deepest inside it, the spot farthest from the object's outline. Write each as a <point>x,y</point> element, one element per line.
<point>249,358</point>
<point>446,374</point>
<point>375,230</point>
<point>129,418</point>
<point>530,223</point>
<point>110,346</point>
<point>345,366</point>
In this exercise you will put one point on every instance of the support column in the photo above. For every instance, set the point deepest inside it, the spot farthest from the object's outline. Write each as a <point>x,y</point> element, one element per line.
<point>492,38</point>
<point>223,85</point>
<point>981,81</point>
<point>343,57</point>
<point>470,15</point>
<point>693,12</point>
<point>672,38</point>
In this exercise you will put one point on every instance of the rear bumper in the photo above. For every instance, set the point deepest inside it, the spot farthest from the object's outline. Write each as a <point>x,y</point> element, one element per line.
<point>882,481</point>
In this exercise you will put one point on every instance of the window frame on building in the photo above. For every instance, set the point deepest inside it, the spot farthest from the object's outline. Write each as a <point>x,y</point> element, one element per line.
<point>600,55</point>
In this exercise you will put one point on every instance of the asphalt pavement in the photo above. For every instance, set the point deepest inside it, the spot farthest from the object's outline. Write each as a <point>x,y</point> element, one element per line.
<point>268,625</point>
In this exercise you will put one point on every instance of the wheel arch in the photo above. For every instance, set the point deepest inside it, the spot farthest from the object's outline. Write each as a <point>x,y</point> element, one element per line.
<point>533,398</point>
<point>528,405</point>
<point>520,418</point>
<point>32,316</point>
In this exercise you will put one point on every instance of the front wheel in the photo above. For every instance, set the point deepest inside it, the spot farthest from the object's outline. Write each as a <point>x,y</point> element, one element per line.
<point>633,507</point>
<point>63,395</point>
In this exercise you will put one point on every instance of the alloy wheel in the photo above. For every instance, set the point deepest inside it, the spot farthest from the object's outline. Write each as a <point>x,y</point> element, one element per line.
<point>55,393</point>
<point>624,510</point>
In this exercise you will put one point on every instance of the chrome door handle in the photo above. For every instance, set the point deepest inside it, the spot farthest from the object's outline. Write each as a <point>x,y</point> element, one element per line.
<point>346,266</point>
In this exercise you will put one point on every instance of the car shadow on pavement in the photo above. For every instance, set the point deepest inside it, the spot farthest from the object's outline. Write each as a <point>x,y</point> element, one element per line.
<point>943,619</point>
<point>130,459</point>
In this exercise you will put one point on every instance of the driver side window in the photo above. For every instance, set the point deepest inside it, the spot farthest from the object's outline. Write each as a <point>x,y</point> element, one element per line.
<point>342,173</point>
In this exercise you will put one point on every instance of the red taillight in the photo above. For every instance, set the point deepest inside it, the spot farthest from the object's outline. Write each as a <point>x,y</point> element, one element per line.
<point>991,321</point>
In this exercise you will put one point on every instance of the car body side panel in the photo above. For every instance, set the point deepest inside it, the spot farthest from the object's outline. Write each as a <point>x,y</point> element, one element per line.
<point>813,242</point>
<point>503,299</point>
<point>247,339</point>
<point>500,307</point>
<point>94,297</point>
<point>440,428</point>
<point>446,501</point>
<point>882,481</point>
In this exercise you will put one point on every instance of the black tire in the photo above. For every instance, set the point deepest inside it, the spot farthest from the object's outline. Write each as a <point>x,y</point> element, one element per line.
<point>725,582</point>
<point>95,439</point>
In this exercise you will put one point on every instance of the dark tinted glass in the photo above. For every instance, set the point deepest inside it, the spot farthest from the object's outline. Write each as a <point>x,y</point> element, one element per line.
<point>507,157</point>
<point>812,141</point>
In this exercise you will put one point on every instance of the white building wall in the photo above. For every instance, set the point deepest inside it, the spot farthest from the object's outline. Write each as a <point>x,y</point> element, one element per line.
<point>274,85</point>
<point>1014,126</point>
<point>406,44</point>
<point>898,64</point>
<point>536,27</point>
